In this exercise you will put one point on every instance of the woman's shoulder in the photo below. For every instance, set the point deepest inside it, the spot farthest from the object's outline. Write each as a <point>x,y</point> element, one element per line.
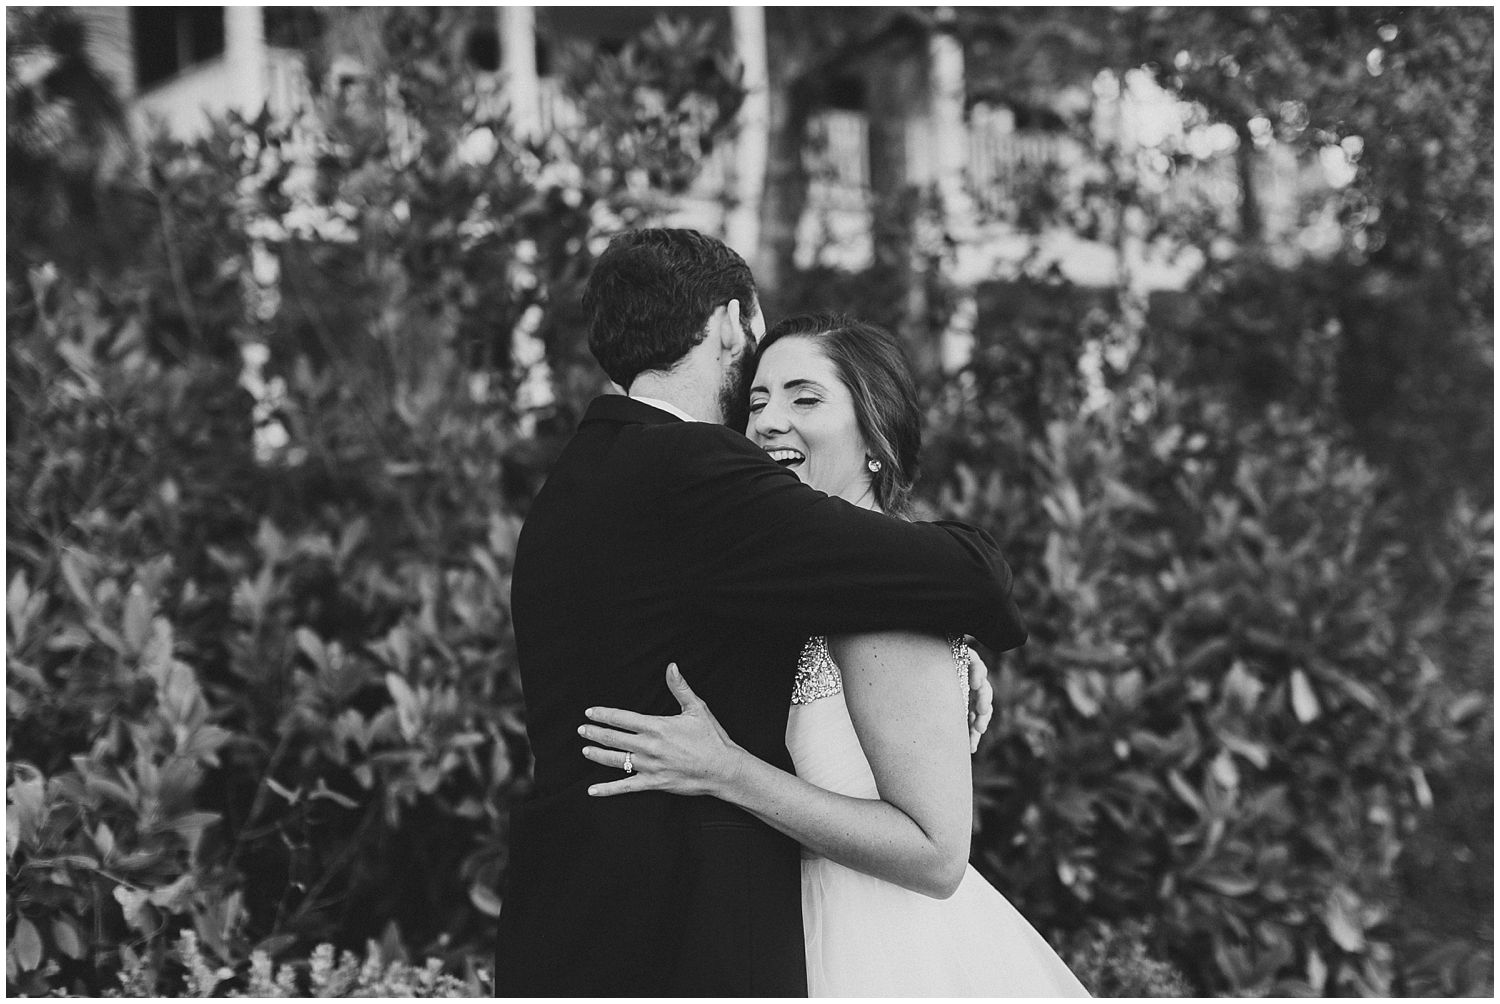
<point>895,649</point>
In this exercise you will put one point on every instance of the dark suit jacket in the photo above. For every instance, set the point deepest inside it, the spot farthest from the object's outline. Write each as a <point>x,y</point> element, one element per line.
<point>656,540</point>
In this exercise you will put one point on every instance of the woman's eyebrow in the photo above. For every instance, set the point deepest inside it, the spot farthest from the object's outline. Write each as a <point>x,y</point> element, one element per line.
<point>760,388</point>
<point>797,384</point>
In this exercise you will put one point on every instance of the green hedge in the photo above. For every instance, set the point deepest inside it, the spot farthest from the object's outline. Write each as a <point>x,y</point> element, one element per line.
<point>267,461</point>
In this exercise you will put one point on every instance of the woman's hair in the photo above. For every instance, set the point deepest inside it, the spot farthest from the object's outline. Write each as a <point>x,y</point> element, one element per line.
<point>873,365</point>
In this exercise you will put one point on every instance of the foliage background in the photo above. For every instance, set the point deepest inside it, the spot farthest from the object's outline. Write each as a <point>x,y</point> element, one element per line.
<point>268,452</point>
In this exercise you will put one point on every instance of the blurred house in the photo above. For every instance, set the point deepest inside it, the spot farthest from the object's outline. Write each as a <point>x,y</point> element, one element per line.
<point>897,115</point>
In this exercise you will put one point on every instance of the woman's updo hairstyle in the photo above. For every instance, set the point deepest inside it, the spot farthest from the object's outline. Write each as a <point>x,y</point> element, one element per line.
<point>873,365</point>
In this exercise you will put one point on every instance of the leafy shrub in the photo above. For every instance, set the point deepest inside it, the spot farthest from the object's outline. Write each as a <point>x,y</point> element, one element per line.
<point>1231,709</point>
<point>192,975</point>
<point>1118,962</point>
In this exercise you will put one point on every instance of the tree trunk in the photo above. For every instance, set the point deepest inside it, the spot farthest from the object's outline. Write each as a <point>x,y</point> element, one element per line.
<point>752,148</point>
<point>518,63</point>
<point>1246,157</point>
<point>786,184</point>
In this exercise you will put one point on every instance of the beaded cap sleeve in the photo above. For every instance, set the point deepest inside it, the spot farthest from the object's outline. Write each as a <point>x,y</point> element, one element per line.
<point>818,675</point>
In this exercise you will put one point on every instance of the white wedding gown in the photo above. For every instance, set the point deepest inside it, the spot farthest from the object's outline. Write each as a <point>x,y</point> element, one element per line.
<point>867,937</point>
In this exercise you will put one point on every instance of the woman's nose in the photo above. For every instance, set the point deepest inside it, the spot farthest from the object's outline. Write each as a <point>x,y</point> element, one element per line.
<point>770,420</point>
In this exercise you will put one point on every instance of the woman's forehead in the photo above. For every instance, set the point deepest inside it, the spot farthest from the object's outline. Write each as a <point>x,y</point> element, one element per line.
<point>795,358</point>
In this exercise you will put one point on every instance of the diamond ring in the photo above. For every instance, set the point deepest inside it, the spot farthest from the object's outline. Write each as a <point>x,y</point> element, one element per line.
<point>627,766</point>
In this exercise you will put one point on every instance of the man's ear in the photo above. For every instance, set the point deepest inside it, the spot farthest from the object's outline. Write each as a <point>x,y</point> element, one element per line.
<point>731,334</point>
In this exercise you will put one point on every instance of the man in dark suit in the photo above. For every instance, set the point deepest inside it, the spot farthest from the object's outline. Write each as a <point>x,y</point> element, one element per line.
<point>661,536</point>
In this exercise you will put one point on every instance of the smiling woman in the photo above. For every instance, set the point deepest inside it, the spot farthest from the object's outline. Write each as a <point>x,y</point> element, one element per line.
<point>834,402</point>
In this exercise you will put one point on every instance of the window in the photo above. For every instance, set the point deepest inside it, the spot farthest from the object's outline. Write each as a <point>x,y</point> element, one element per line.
<point>168,40</point>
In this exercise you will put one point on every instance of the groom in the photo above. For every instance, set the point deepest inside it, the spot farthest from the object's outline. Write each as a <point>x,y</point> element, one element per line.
<point>661,536</point>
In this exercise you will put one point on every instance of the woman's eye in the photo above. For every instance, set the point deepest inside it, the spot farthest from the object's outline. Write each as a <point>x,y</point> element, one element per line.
<point>756,406</point>
<point>806,400</point>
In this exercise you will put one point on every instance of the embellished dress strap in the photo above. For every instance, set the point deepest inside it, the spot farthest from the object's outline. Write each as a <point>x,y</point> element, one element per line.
<point>959,646</point>
<point>817,673</point>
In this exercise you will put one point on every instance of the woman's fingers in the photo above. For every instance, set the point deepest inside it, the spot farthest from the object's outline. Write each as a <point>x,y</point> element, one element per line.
<point>633,741</point>
<point>622,787</point>
<point>610,758</point>
<point>679,688</point>
<point>622,719</point>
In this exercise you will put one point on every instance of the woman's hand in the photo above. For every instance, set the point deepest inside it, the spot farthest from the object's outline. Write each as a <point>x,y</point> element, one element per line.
<point>981,699</point>
<point>686,754</point>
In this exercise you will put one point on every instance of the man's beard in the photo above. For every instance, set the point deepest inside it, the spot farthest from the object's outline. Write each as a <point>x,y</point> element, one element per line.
<point>734,392</point>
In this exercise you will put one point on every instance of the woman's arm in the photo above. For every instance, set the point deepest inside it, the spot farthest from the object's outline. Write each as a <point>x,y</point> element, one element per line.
<point>907,710</point>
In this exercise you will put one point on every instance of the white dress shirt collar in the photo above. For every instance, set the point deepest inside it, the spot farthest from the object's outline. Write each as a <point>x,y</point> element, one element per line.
<point>670,409</point>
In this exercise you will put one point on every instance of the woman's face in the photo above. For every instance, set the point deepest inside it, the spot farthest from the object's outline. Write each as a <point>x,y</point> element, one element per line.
<point>803,416</point>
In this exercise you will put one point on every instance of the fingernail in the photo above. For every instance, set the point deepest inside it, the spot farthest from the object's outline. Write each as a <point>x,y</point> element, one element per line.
<point>593,791</point>
<point>672,668</point>
<point>591,712</point>
<point>583,730</point>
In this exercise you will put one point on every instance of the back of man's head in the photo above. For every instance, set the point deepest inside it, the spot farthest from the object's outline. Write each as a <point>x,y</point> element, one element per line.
<point>651,294</point>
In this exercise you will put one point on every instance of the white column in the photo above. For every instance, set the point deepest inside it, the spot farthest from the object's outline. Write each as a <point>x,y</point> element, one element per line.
<point>950,139</point>
<point>752,147</point>
<point>950,158</point>
<point>245,56</point>
<point>518,64</point>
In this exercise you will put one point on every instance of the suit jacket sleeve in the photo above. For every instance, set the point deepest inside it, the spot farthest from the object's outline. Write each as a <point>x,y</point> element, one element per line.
<point>770,550</point>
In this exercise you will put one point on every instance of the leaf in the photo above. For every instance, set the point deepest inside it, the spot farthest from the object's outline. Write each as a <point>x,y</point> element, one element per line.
<point>172,897</point>
<point>25,811</point>
<point>1304,700</point>
<point>312,646</point>
<point>15,605</point>
<point>133,904</point>
<point>1467,707</point>
<point>73,572</point>
<point>65,936</point>
<point>1210,651</point>
<point>353,536</point>
<point>484,899</point>
<point>1081,694</point>
<point>1420,787</point>
<point>156,650</point>
<point>192,822</point>
<point>1340,917</point>
<point>1229,885</point>
<point>486,563</point>
<point>137,620</point>
<point>1224,770</point>
<point>1184,790</point>
<point>407,710</point>
<point>1242,685</point>
<point>104,840</point>
<point>26,945</point>
<point>1252,751</point>
<point>26,672</point>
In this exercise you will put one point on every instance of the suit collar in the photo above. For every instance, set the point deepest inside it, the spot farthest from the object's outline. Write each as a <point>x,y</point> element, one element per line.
<point>625,411</point>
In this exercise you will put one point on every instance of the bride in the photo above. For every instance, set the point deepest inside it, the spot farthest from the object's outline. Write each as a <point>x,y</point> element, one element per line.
<point>882,798</point>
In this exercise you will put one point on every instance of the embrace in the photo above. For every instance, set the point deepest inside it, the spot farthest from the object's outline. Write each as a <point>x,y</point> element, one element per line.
<point>747,682</point>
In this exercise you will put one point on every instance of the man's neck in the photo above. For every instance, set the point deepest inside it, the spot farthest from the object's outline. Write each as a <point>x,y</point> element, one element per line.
<point>680,394</point>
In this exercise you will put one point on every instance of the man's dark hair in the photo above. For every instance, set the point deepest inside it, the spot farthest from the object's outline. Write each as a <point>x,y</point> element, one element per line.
<point>651,294</point>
